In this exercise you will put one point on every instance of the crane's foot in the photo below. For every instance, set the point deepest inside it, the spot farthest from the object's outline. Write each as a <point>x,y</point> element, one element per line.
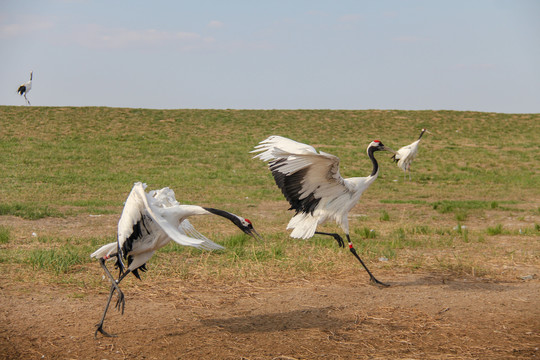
<point>378,283</point>
<point>103,332</point>
<point>339,240</point>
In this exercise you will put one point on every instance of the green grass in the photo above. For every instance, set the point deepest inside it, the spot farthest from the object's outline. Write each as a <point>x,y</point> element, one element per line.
<point>365,232</point>
<point>59,260</point>
<point>446,206</point>
<point>5,234</point>
<point>62,162</point>
<point>29,211</point>
<point>495,230</point>
<point>85,159</point>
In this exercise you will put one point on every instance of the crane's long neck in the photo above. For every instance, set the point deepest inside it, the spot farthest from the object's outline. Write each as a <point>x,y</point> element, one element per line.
<point>227,215</point>
<point>371,155</point>
<point>421,133</point>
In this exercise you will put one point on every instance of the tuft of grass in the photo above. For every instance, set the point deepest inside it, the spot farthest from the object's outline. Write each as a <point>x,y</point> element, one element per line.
<point>422,230</point>
<point>496,230</point>
<point>464,232</point>
<point>461,215</point>
<point>5,234</point>
<point>385,216</point>
<point>366,232</point>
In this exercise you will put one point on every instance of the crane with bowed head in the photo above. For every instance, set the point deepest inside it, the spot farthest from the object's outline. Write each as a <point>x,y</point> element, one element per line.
<point>148,222</point>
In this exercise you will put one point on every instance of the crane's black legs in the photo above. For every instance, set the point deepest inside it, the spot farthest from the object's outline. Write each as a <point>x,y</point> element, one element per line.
<point>372,278</point>
<point>341,243</point>
<point>100,324</point>
<point>120,303</point>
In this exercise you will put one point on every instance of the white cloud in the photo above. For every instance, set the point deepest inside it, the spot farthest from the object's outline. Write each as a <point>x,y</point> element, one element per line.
<point>28,26</point>
<point>215,24</point>
<point>97,36</point>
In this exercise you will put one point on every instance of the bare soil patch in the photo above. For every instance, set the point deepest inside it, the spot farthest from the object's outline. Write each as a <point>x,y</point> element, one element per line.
<point>420,316</point>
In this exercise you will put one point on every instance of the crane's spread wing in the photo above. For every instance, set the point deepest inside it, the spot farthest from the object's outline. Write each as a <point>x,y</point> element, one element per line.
<point>303,175</point>
<point>188,230</point>
<point>140,218</point>
<point>274,145</point>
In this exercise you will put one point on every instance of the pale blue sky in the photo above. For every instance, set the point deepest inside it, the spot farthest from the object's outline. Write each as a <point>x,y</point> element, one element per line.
<point>481,55</point>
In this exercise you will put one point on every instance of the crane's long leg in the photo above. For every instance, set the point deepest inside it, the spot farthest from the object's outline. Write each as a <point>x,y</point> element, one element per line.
<point>100,324</point>
<point>371,276</point>
<point>120,303</point>
<point>341,243</point>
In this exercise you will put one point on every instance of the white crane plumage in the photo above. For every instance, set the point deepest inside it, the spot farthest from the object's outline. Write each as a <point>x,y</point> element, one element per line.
<point>25,88</point>
<point>148,222</point>
<point>314,188</point>
<point>406,154</point>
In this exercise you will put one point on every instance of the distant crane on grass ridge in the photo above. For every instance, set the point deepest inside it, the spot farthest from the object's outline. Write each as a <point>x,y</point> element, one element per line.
<point>148,222</point>
<point>405,155</point>
<point>314,188</point>
<point>25,88</point>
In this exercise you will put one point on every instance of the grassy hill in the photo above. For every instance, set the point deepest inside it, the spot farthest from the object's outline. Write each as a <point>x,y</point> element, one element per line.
<point>477,170</point>
<point>86,159</point>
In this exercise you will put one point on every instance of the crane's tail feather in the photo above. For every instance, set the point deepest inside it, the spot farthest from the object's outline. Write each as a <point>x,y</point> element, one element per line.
<point>106,251</point>
<point>304,225</point>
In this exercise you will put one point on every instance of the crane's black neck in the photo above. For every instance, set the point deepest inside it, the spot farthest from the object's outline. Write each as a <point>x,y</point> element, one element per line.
<point>421,133</point>
<point>233,218</point>
<point>371,155</point>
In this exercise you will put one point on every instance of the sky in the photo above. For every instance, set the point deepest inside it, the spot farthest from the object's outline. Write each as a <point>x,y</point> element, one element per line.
<point>481,55</point>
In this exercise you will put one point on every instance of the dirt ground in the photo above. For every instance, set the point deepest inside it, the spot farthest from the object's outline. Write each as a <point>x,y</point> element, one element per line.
<point>422,315</point>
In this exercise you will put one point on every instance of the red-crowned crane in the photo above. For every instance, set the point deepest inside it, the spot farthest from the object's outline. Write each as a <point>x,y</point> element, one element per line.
<point>312,185</point>
<point>25,88</point>
<point>405,155</point>
<point>150,221</point>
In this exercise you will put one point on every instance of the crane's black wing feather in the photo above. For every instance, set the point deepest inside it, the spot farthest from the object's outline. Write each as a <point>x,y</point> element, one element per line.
<point>291,187</point>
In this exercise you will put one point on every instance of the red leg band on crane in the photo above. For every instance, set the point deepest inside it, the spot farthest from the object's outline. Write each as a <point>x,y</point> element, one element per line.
<point>350,245</point>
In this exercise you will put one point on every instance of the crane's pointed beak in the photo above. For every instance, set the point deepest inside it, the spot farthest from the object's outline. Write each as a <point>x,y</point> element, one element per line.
<point>389,149</point>
<point>253,233</point>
